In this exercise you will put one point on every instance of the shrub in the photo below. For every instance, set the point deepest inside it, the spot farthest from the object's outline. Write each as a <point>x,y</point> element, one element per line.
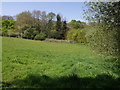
<point>4,32</point>
<point>12,33</point>
<point>26,34</point>
<point>52,34</point>
<point>105,40</point>
<point>76,35</point>
<point>40,36</point>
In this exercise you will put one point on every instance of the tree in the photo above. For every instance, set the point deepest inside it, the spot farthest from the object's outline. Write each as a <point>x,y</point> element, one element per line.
<point>50,25</point>
<point>106,15</point>
<point>37,20</point>
<point>43,22</point>
<point>7,18</point>
<point>107,12</point>
<point>76,24</point>
<point>58,27</point>
<point>7,25</point>
<point>36,14</point>
<point>64,29</point>
<point>23,19</point>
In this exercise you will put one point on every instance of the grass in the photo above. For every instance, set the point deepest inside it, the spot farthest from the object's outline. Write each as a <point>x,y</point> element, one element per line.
<point>39,64</point>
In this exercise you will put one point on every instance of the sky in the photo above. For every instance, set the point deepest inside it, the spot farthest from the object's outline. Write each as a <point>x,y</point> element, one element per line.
<point>68,10</point>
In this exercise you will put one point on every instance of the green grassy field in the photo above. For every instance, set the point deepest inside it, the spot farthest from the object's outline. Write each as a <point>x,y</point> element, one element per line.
<point>29,63</point>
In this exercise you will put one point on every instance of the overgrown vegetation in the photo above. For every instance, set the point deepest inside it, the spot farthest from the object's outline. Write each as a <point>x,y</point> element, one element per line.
<point>77,35</point>
<point>106,37</point>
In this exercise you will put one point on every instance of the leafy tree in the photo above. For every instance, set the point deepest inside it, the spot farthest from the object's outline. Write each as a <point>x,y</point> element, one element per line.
<point>76,24</point>
<point>76,35</point>
<point>7,25</point>
<point>36,14</point>
<point>43,22</point>
<point>50,25</point>
<point>23,19</point>
<point>29,32</point>
<point>106,15</point>
<point>107,12</point>
<point>37,20</point>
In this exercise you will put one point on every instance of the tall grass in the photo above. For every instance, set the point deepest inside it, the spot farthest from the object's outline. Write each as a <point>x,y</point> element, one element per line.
<point>29,63</point>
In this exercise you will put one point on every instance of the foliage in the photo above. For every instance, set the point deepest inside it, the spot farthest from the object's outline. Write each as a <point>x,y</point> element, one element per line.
<point>58,27</point>
<point>40,36</point>
<point>64,29</point>
<point>106,38</point>
<point>107,12</point>
<point>77,35</point>
<point>12,33</point>
<point>76,24</point>
<point>23,19</point>
<point>61,28</point>
<point>50,24</point>
<point>29,24</point>
<point>29,32</point>
<point>103,40</point>
<point>7,25</point>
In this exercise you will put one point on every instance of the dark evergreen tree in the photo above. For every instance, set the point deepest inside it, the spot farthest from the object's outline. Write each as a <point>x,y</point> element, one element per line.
<point>64,29</point>
<point>58,27</point>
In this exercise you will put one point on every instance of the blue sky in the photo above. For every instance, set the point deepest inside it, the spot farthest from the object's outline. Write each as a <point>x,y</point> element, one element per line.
<point>69,10</point>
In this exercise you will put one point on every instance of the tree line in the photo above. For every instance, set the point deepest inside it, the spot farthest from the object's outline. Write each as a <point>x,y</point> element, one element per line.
<point>34,25</point>
<point>38,25</point>
<point>102,32</point>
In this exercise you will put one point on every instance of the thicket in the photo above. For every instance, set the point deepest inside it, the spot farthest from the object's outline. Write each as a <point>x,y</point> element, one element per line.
<point>77,31</point>
<point>105,38</point>
<point>102,38</point>
<point>78,35</point>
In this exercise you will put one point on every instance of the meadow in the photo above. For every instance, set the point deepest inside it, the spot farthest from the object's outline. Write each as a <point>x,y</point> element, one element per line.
<point>39,64</point>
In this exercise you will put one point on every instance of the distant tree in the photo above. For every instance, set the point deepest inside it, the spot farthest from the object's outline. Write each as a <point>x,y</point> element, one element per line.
<point>30,24</point>
<point>64,29</point>
<point>50,25</point>
<point>23,19</point>
<point>58,27</point>
<point>36,14</point>
<point>76,24</point>
<point>43,22</point>
<point>7,25</point>
<point>7,18</point>
<point>37,20</point>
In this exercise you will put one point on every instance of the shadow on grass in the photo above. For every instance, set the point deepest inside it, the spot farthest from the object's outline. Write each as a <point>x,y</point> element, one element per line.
<point>73,81</point>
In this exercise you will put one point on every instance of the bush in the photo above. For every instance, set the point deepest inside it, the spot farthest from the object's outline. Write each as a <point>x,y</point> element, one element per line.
<point>77,35</point>
<point>27,34</point>
<point>12,33</point>
<point>105,40</point>
<point>40,36</point>
<point>52,34</point>
<point>4,32</point>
